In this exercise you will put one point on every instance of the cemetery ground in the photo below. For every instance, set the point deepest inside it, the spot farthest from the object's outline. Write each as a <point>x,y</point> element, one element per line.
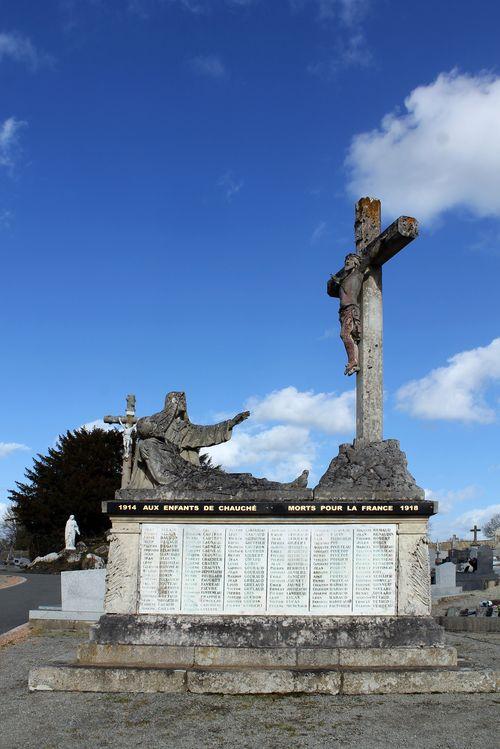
<point>57,720</point>
<point>468,599</point>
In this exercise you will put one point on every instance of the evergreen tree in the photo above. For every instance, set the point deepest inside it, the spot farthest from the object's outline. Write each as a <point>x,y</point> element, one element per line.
<point>82,470</point>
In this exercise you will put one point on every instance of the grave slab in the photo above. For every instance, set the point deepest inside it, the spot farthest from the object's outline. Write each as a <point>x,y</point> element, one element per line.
<point>445,585</point>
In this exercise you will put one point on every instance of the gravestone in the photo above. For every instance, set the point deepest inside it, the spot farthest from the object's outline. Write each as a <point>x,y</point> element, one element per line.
<point>445,581</point>
<point>484,572</point>
<point>459,556</point>
<point>82,599</point>
<point>227,583</point>
<point>484,560</point>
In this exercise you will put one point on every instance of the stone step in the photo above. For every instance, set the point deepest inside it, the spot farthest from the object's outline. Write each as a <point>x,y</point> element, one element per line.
<point>268,631</point>
<point>79,678</point>
<point>181,656</point>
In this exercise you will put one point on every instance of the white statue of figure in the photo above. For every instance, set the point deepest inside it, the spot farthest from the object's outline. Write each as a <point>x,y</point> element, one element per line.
<point>70,532</point>
<point>127,437</point>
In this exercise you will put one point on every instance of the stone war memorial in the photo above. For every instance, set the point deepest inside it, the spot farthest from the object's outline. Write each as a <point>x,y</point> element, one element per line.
<point>227,583</point>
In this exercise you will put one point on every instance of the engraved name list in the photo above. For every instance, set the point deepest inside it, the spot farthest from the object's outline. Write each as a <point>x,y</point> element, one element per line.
<point>272,569</point>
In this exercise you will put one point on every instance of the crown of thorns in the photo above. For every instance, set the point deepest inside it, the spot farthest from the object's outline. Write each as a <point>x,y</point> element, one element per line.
<point>353,255</point>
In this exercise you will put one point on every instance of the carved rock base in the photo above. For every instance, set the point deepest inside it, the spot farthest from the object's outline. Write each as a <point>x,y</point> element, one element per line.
<point>375,471</point>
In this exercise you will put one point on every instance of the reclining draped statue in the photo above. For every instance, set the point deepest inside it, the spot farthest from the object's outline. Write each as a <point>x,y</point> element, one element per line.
<point>167,455</point>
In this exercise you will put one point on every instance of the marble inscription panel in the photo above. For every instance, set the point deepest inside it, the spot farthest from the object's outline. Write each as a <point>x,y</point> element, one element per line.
<point>274,569</point>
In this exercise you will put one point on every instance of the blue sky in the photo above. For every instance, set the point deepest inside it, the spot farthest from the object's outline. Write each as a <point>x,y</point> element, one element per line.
<point>177,181</point>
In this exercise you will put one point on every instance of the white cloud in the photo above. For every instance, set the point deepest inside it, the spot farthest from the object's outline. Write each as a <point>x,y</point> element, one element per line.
<point>448,499</point>
<point>7,448</point>
<point>349,51</point>
<point>447,522</point>
<point>9,140</point>
<point>348,12</point>
<point>229,185</point>
<point>443,152</point>
<point>144,8</point>
<point>319,232</point>
<point>354,52</point>
<point>444,528</point>
<point>351,11</point>
<point>210,66</point>
<point>21,49</point>
<point>241,3</point>
<point>327,412</point>
<point>281,453</point>
<point>478,516</point>
<point>6,217</point>
<point>97,424</point>
<point>4,507</point>
<point>194,6</point>
<point>455,392</point>
<point>487,241</point>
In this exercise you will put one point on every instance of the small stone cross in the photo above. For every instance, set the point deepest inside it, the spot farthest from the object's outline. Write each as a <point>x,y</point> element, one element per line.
<point>127,423</point>
<point>373,248</point>
<point>475,531</point>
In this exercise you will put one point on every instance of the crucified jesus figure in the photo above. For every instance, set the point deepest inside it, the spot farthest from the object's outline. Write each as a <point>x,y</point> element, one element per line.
<point>346,285</point>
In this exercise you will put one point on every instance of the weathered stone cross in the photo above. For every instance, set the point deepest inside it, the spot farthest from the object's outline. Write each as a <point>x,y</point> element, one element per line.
<point>475,531</point>
<point>127,423</point>
<point>374,248</point>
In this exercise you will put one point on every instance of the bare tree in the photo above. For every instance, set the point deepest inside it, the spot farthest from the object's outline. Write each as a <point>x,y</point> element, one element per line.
<point>492,525</point>
<point>8,533</point>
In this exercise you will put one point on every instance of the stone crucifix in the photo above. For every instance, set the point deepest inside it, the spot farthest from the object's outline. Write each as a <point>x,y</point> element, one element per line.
<point>358,285</point>
<point>127,423</point>
<point>475,531</point>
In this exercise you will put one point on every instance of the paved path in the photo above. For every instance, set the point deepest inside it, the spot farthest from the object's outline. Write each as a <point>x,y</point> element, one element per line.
<point>15,602</point>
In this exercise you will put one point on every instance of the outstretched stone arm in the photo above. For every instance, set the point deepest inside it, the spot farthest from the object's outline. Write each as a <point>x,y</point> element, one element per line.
<point>240,417</point>
<point>196,435</point>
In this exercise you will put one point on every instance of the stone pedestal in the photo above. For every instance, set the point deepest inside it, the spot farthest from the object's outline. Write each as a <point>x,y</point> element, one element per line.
<point>411,562</point>
<point>270,579</point>
<point>309,596</point>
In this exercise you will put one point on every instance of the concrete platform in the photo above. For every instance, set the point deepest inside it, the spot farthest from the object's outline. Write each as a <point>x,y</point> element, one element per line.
<point>261,670</point>
<point>51,618</point>
<point>285,656</point>
<point>57,614</point>
<point>264,655</point>
<point>94,654</point>
<point>43,626</point>
<point>76,678</point>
